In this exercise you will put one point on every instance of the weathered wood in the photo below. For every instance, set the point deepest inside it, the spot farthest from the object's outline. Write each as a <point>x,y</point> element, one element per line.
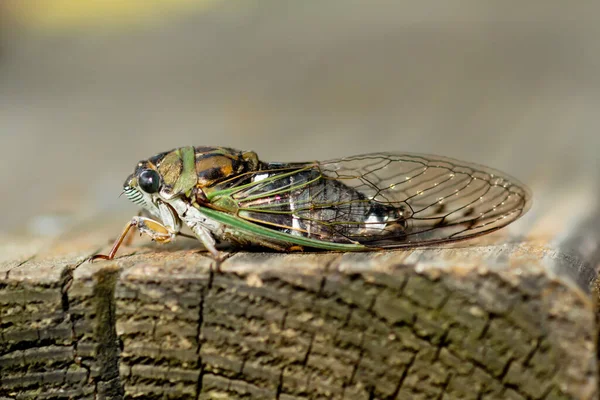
<point>484,320</point>
<point>507,316</point>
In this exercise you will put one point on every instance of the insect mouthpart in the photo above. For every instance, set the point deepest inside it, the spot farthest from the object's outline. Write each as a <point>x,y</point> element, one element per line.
<point>134,195</point>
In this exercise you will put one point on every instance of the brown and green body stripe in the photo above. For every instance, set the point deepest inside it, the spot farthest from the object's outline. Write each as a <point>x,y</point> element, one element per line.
<point>185,169</point>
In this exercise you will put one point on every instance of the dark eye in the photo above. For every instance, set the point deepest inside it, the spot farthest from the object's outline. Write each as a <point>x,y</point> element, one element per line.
<point>149,181</point>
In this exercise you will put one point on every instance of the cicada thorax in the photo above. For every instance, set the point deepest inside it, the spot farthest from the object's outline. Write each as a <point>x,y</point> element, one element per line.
<point>189,171</point>
<point>215,165</point>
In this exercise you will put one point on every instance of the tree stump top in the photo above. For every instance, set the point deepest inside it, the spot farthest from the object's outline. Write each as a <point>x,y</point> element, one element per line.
<point>508,315</point>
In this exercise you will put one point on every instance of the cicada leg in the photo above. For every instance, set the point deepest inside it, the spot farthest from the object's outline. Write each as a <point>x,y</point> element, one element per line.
<point>157,232</point>
<point>295,248</point>
<point>143,213</point>
<point>207,240</point>
<point>128,239</point>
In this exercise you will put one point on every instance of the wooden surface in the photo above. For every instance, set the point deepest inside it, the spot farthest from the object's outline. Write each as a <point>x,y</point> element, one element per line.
<point>506,316</point>
<point>488,319</point>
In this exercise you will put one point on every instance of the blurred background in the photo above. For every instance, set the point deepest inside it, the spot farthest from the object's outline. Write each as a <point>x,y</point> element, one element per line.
<point>88,88</point>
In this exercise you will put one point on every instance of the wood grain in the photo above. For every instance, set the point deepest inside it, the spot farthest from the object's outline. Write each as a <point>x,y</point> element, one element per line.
<point>486,319</point>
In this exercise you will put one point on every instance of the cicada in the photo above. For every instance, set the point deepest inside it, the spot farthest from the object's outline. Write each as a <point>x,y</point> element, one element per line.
<point>359,203</point>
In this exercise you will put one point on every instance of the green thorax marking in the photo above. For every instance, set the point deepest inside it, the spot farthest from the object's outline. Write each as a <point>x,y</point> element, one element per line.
<point>178,170</point>
<point>188,178</point>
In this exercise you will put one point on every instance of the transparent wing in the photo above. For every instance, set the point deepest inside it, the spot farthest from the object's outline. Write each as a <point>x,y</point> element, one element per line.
<point>382,200</point>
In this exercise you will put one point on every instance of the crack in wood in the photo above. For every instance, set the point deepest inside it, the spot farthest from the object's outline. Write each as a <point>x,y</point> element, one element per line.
<point>308,350</point>
<point>361,354</point>
<point>280,384</point>
<point>485,328</point>
<point>8,271</point>
<point>203,293</point>
<point>403,376</point>
<point>108,351</point>
<point>527,359</point>
<point>445,386</point>
<point>443,343</point>
<point>66,280</point>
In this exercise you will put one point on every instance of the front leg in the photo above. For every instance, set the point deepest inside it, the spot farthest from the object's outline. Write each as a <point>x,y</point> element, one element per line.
<point>129,238</point>
<point>145,213</point>
<point>157,232</point>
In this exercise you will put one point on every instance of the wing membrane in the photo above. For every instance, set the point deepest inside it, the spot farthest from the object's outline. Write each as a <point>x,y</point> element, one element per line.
<point>381,200</point>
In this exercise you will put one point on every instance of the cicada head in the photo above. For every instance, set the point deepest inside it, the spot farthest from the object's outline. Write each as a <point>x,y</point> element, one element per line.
<point>143,187</point>
<point>178,172</point>
<point>149,182</point>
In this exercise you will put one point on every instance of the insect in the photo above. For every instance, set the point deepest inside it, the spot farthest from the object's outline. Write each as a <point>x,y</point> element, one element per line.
<point>365,202</point>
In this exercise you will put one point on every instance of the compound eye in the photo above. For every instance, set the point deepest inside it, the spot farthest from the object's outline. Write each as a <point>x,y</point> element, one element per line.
<point>149,181</point>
